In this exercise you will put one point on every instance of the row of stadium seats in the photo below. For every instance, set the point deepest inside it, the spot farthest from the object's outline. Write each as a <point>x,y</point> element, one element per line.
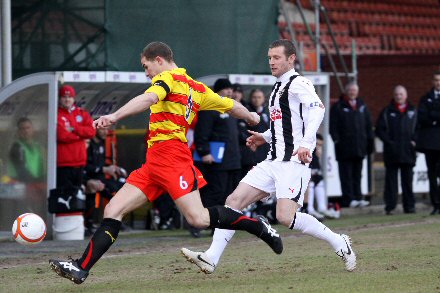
<point>377,27</point>
<point>364,45</point>
<point>415,8</point>
<point>396,30</point>
<point>382,17</point>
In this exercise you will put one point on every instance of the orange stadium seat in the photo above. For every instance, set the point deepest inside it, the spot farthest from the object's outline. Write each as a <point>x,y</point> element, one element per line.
<point>387,27</point>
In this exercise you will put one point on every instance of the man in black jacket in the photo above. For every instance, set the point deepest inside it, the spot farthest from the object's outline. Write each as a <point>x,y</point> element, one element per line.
<point>396,127</point>
<point>352,132</point>
<point>428,141</point>
<point>212,126</point>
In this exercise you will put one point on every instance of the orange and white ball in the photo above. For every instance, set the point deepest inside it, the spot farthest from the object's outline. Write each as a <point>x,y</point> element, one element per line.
<point>29,229</point>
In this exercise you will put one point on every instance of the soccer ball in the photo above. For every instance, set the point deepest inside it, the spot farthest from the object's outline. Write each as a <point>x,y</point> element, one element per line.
<point>29,229</point>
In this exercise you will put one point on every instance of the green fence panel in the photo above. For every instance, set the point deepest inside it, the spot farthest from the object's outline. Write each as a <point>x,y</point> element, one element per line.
<point>207,37</point>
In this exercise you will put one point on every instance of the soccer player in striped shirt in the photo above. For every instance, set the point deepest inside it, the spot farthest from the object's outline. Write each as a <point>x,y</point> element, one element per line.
<point>174,99</point>
<point>295,115</point>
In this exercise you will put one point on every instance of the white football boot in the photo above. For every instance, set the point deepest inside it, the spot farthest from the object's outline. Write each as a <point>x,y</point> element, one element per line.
<point>347,254</point>
<point>200,259</point>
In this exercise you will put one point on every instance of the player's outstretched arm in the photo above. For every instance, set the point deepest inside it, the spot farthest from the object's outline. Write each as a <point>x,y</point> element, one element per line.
<point>134,106</point>
<point>240,112</point>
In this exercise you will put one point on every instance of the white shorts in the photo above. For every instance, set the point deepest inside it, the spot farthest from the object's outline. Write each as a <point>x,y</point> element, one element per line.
<point>284,179</point>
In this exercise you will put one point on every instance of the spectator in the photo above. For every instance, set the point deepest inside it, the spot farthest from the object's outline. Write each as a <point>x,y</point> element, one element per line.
<point>251,158</point>
<point>428,141</point>
<point>316,190</point>
<point>99,177</point>
<point>74,126</point>
<point>352,133</point>
<point>396,128</point>
<point>222,177</point>
<point>237,94</point>
<point>26,162</point>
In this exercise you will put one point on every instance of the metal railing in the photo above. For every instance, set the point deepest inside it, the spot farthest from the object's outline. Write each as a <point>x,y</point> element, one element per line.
<point>315,37</point>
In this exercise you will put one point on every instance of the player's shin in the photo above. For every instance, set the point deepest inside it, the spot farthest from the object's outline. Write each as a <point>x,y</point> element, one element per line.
<point>101,241</point>
<point>220,240</point>
<point>309,225</point>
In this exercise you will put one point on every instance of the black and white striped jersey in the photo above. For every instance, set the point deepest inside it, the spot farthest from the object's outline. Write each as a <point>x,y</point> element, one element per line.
<point>295,115</point>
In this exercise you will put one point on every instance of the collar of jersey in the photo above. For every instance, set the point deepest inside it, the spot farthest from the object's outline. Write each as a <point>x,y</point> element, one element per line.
<point>285,77</point>
<point>179,70</point>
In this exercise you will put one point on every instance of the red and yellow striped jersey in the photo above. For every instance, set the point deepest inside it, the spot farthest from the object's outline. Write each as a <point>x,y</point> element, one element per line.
<point>180,99</point>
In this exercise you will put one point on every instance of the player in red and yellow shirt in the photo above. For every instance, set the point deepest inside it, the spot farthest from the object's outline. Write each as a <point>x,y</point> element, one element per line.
<point>174,100</point>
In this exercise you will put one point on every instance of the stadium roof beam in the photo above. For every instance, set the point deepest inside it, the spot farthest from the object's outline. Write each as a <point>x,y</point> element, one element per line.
<point>55,35</point>
<point>83,46</point>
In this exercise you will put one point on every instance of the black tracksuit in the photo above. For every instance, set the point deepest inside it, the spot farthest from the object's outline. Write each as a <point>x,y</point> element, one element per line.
<point>397,130</point>
<point>94,169</point>
<point>222,177</point>
<point>352,132</point>
<point>428,141</point>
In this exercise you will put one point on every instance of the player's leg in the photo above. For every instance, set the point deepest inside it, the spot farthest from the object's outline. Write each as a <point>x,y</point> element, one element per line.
<point>126,200</point>
<point>288,215</point>
<point>207,261</point>
<point>219,217</point>
<point>243,196</point>
<point>248,191</point>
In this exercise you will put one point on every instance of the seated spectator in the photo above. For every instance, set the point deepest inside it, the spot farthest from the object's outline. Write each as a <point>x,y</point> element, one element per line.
<point>99,177</point>
<point>26,162</point>
<point>316,186</point>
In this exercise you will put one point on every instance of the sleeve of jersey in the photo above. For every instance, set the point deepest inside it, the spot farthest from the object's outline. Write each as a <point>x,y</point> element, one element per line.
<point>212,101</point>
<point>305,92</point>
<point>161,85</point>
<point>267,136</point>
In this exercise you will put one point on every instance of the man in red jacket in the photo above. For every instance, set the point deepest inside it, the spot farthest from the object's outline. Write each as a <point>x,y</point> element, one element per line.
<point>74,126</point>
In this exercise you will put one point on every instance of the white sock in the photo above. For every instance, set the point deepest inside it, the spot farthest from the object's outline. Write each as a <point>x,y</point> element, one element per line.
<point>321,199</point>
<point>311,197</point>
<point>219,242</point>
<point>309,225</point>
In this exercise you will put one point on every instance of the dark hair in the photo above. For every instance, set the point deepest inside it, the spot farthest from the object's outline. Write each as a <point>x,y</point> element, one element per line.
<point>221,83</point>
<point>289,47</point>
<point>319,136</point>
<point>154,49</point>
<point>23,120</point>
<point>436,73</point>
<point>253,91</point>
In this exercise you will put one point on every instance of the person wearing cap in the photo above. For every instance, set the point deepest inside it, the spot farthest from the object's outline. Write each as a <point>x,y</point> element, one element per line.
<point>212,126</point>
<point>74,127</point>
<point>238,94</point>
